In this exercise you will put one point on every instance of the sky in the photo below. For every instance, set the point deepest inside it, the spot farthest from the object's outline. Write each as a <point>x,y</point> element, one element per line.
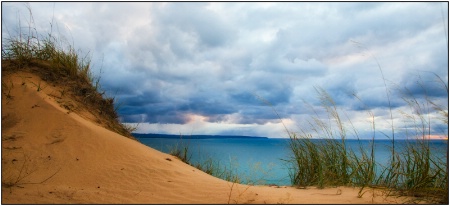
<point>257,69</point>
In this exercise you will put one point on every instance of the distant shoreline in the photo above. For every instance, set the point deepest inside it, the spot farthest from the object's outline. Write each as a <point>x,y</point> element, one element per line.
<point>178,136</point>
<point>172,136</point>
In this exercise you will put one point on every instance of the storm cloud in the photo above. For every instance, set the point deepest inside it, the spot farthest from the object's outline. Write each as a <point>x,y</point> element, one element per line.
<point>238,68</point>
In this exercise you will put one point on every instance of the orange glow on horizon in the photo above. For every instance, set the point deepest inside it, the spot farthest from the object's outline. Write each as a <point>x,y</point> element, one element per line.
<point>434,137</point>
<point>196,118</point>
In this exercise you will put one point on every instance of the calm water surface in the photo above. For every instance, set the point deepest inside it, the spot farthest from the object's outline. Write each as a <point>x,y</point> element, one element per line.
<point>260,161</point>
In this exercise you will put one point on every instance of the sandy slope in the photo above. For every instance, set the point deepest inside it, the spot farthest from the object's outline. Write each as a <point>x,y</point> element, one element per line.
<point>50,155</point>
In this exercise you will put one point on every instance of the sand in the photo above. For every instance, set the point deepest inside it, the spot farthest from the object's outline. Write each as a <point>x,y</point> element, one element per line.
<point>51,155</point>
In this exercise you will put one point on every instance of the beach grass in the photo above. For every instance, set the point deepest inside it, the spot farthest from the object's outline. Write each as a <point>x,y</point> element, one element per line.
<point>229,170</point>
<point>181,150</point>
<point>210,166</point>
<point>56,61</point>
<point>320,156</point>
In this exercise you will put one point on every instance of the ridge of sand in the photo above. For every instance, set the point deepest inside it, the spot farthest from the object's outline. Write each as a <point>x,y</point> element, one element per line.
<point>51,155</point>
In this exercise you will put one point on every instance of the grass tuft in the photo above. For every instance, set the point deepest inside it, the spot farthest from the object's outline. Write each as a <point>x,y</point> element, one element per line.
<point>58,62</point>
<point>321,157</point>
<point>209,166</point>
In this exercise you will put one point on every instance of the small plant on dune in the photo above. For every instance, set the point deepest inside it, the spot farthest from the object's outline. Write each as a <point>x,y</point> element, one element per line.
<point>62,92</point>
<point>130,128</point>
<point>229,171</point>
<point>181,150</point>
<point>13,180</point>
<point>209,166</point>
<point>7,87</point>
<point>38,86</point>
<point>240,193</point>
<point>13,177</point>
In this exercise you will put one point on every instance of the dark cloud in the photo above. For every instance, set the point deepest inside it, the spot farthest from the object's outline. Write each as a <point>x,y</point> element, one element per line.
<point>166,62</point>
<point>424,88</point>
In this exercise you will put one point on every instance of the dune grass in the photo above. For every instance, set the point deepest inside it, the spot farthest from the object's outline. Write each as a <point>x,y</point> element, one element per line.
<point>56,61</point>
<point>320,156</point>
<point>226,169</point>
<point>181,150</point>
<point>210,166</point>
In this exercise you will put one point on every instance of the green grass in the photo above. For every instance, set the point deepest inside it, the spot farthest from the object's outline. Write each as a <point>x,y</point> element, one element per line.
<point>227,170</point>
<point>412,169</point>
<point>181,150</point>
<point>56,61</point>
<point>209,166</point>
<point>31,49</point>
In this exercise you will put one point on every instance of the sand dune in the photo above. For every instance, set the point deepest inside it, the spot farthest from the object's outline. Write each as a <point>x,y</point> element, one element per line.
<point>53,155</point>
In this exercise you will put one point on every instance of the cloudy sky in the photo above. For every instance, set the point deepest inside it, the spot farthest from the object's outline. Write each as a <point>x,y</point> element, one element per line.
<point>224,68</point>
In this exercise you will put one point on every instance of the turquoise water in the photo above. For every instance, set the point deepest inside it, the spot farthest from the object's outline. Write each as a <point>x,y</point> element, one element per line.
<point>260,161</point>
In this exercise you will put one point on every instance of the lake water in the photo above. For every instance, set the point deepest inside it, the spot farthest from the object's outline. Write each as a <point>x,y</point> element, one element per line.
<point>260,161</point>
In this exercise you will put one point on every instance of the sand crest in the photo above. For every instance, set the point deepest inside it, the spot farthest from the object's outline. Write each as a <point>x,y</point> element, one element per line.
<point>53,155</point>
